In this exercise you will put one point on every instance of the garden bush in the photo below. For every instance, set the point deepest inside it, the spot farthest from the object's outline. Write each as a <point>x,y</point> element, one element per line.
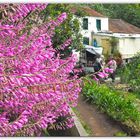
<point>118,106</point>
<point>36,90</point>
<point>130,74</point>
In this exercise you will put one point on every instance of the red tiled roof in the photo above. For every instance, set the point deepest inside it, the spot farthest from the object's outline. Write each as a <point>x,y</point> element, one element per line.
<point>88,11</point>
<point>120,26</point>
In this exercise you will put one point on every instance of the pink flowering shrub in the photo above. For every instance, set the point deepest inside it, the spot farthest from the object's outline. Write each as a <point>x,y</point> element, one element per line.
<point>102,74</point>
<point>35,87</point>
<point>108,70</point>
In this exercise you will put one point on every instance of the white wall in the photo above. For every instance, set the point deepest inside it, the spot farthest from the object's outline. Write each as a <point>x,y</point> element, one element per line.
<point>128,47</point>
<point>77,54</point>
<point>125,35</point>
<point>92,23</point>
<point>92,26</point>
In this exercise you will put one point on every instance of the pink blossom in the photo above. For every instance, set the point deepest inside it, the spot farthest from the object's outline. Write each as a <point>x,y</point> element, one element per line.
<point>108,70</point>
<point>35,83</point>
<point>102,74</point>
<point>95,78</point>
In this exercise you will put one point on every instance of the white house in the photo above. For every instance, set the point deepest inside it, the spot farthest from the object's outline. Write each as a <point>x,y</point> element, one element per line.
<point>92,22</point>
<point>128,36</point>
<point>98,29</point>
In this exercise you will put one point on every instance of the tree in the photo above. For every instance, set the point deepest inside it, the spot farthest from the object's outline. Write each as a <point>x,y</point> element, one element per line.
<point>127,12</point>
<point>113,42</point>
<point>35,87</point>
<point>70,28</point>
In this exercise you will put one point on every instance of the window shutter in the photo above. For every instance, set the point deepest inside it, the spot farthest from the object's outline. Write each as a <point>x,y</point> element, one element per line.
<point>85,23</point>
<point>98,24</point>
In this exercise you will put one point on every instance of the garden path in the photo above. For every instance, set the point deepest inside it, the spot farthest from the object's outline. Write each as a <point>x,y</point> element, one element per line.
<point>99,123</point>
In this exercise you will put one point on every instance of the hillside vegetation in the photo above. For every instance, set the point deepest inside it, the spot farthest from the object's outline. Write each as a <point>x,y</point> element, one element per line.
<point>127,12</point>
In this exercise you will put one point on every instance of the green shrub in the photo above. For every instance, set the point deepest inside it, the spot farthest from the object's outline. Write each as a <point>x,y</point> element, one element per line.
<point>120,134</point>
<point>115,103</point>
<point>130,74</point>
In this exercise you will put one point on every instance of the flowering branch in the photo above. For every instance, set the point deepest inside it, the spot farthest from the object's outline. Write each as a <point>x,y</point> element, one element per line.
<point>35,87</point>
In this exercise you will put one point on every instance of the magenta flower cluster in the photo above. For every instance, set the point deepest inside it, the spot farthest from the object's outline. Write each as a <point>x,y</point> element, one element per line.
<point>103,74</point>
<point>35,89</point>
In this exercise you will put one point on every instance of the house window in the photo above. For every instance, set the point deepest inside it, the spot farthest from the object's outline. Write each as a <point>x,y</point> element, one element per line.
<point>85,40</point>
<point>85,23</point>
<point>98,24</point>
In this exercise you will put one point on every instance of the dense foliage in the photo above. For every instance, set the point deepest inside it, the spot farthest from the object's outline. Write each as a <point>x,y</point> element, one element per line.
<point>127,12</point>
<point>36,90</point>
<point>114,103</point>
<point>130,74</point>
<point>70,28</point>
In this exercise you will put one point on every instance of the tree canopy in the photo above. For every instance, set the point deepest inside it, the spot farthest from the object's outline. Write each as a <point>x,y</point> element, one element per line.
<point>127,12</point>
<point>70,28</point>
